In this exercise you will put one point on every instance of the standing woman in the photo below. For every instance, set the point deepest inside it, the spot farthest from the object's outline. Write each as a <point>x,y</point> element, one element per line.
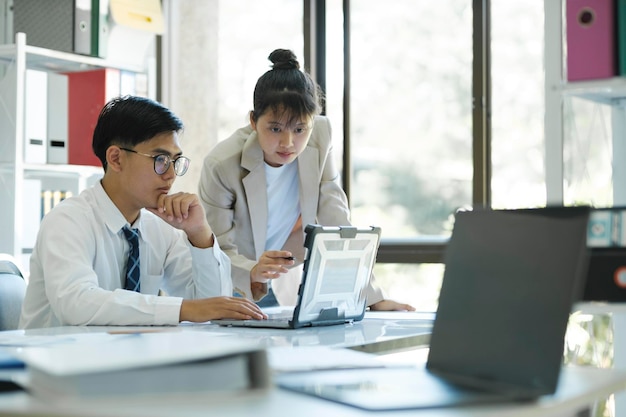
<point>268,180</point>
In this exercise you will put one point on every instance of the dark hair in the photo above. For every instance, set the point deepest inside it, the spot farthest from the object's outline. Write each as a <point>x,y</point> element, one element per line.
<point>286,87</point>
<point>129,120</point>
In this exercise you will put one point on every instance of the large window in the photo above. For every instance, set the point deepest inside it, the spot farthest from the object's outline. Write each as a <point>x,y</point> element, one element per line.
<point>249,30</point>
<point>410,127</point>
<point>410,111</point>
<point>517,76</point>
<point>410,114</point>
<point>409,72</point>
<point>518,147</point>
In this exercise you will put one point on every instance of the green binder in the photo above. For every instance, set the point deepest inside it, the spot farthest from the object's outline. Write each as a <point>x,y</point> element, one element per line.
<point>99,27</point>
<point>620,11</point>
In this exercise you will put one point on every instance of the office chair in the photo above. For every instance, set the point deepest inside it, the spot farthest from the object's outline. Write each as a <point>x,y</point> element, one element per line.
<point>12,291</point>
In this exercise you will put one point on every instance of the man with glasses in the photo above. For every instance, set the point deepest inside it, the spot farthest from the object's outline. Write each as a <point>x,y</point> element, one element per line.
<point>127,251</point>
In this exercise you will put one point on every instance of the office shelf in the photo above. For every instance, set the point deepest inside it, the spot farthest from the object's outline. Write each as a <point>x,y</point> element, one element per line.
<point>18,178</point>
<point>608,91</point>
<point>58,61</point>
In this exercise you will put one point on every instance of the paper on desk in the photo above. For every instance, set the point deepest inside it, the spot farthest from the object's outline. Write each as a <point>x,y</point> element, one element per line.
<point>315,358</point>
<point>49,340</point>
<point>93,335</point>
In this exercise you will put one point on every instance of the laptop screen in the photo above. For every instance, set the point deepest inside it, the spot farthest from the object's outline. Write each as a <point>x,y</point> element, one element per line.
<point>337,269</point>
<point>510,279</point>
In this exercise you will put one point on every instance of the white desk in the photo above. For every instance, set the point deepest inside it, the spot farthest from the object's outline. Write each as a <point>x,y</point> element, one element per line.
<point>583,386</point>
<point>379,332</point>
<point>579,387</point>
<point>617,311</point>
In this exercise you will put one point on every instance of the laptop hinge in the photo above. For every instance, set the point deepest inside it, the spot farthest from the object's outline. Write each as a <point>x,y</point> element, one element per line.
<point>329,316</point>
<point>347,232</point>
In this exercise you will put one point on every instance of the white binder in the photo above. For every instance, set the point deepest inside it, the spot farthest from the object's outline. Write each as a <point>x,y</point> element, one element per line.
<point>57,118</point>
<point>35,146</point>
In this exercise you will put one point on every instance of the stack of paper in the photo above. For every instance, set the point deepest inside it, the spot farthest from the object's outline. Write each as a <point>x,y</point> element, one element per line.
<point>145,363</point>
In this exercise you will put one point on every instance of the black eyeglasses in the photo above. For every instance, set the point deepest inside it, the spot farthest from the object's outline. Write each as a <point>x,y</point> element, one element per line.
<point>163,161</point>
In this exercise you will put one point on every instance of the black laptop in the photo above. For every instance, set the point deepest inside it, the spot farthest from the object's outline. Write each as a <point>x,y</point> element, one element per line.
<point>511,278</point>
<point>337,267</point>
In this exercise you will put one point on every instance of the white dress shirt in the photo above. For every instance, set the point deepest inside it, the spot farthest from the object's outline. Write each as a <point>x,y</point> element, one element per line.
<point>78,266</point>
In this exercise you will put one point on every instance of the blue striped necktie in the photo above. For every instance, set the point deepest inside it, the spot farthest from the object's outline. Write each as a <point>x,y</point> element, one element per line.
<point>132,266</point>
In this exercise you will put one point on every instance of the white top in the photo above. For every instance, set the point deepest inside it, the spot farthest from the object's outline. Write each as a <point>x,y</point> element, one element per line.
<point>78,265</point>
<point>283,204</point>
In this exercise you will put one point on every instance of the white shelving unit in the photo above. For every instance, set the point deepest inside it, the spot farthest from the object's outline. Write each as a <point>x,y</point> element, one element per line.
<point>610,92</point>
<point>15,59</point>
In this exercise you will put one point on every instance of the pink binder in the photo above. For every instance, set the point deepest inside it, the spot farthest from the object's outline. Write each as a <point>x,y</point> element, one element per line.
<point>590,31</point>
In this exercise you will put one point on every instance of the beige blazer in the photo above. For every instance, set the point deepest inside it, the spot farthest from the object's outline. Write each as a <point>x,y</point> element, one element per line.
<point>233,192</point>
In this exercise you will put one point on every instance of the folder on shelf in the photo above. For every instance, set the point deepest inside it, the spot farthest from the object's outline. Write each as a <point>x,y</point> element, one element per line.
<point>127,83</point>
<point>82,27</point>
<point>78,26</point>
<point>46,202</point>
<point>606,239</point>
<point>56,197</point>
<point>144,363</point>
<point>141,85</point>
<point>47,24</point>
<point>620,9</point>
<point>601,229</point>
<point>89,91</point>
<point>57,118</point>
<point>590,39</point>
<point>31,210</point>
<point>100,27</point>
<point>133,83</point>
<point>48,199</point>
<point>35,137</point>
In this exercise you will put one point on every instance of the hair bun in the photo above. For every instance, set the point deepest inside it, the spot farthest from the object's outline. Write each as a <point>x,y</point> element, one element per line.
<point>284,59</point>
